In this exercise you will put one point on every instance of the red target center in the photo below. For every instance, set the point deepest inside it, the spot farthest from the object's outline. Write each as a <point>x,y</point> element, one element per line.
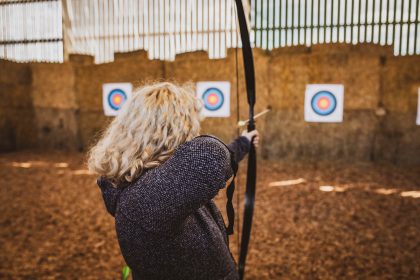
<point>117,99</point>
<point>323,103</point>
<point>212,99</point>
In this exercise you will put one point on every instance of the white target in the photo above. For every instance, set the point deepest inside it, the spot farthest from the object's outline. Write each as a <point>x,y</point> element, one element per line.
<point>114,96</point>
<point>215,97</point>
<point>324,103</point>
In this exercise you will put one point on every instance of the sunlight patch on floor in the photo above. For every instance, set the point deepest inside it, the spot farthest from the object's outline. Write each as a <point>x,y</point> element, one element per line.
<point>386,191</point>
<point>414,194</point>
<point>326,188</point>
<point>82,172</point>
<point>31,164</point>
<point>287,183</point>
<point>383,191</point>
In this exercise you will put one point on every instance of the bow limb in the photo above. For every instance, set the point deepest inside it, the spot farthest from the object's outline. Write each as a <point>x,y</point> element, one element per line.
<point>252,159</point>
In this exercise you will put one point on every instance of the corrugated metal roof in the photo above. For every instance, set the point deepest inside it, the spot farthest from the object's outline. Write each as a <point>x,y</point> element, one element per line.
<point>33,30</point>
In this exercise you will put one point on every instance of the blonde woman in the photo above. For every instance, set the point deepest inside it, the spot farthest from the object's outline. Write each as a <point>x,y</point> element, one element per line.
<point>158,178</point>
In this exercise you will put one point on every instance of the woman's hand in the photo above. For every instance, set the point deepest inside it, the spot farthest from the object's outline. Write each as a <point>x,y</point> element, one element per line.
<point>253,136</point>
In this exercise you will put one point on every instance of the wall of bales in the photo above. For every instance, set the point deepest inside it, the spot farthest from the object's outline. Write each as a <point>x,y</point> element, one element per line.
<point>16,109</point>
<point>398,137</point>
<point>374,81</point>
<point>55,106</point>
<point>134,68</point>
<point>357,68</point>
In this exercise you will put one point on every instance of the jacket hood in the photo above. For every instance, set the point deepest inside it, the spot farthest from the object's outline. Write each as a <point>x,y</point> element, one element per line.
<point>110,194</point>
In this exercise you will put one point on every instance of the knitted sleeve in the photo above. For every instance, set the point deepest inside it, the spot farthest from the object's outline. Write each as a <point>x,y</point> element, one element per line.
<point>240,147</point>
<point>188,180</point>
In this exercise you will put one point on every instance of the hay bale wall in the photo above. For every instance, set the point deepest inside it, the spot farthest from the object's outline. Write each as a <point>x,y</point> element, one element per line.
<point>134,68</point>
<point>54,102</point>
<point>58,106</point>
<point>16,110</point>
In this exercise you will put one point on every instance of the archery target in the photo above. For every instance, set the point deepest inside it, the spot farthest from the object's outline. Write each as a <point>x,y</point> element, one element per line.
<point>215,97</point>
<point>114,97</point>
<point>418,108</point>
<point>324,103</point>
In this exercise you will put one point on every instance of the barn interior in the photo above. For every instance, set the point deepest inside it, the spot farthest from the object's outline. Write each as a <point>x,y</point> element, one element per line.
<point>335,200</point>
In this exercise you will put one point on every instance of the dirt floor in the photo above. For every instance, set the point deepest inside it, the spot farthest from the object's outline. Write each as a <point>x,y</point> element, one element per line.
<point>319,221</point>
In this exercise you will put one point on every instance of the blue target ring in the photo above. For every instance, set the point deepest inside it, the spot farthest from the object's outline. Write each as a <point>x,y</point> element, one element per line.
<point>324,103</point>
<point>116,98</point>
<point>213,99</point>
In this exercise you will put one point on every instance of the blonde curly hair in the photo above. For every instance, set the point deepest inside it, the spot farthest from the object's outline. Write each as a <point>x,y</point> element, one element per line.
<point>153,122</point>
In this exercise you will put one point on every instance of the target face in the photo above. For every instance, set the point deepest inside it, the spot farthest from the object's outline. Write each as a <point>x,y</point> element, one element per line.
<point>215,97</point>
<point>324,103</point>
<point>115,96</point>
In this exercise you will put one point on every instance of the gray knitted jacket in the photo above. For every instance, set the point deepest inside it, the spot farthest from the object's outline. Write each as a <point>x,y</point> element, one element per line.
<point>167,225</point>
